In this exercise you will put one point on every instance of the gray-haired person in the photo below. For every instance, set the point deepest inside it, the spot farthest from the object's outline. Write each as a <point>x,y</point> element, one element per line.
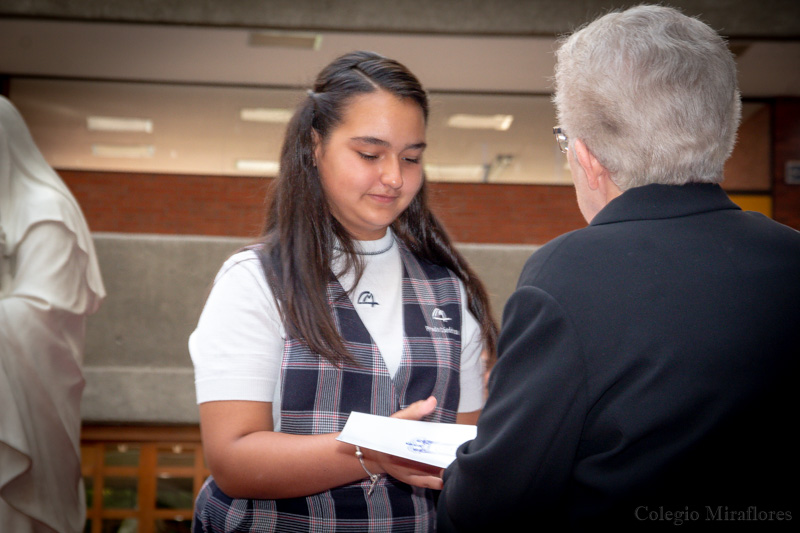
<point>645,362</point>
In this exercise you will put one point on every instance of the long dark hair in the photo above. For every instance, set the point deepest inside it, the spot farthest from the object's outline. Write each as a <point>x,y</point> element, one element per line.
<point>300,231</point>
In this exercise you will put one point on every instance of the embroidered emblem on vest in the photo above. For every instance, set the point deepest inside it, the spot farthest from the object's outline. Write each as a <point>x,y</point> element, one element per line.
<point>438,314</point>
<point>441,316</point>
<point>367,298</point>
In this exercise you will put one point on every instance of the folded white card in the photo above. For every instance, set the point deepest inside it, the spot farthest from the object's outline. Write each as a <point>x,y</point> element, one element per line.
<point>432,443</point>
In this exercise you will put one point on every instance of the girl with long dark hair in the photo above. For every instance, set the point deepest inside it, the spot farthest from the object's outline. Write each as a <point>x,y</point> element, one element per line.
<point>354,300</point>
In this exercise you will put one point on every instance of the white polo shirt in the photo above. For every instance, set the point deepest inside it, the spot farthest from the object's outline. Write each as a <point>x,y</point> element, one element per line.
<point>237,347</point>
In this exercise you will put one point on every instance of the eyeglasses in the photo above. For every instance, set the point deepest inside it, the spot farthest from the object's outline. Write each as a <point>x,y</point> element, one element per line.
<point>561,139</point>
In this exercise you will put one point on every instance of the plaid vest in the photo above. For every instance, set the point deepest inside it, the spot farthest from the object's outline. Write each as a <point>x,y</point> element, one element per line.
<point>317,397</point>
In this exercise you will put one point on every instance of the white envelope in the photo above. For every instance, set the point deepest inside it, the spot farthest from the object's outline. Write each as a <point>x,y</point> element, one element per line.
<point>432,443</point>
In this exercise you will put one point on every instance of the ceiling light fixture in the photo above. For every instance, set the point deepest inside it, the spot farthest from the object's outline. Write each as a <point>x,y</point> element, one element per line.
<point>140,151</point>
<point>483,122</point>
<point>266,114</point>
<point>303,41</point>
<point>262,166</point>
<point>466,173</point>
<point>141,125</point>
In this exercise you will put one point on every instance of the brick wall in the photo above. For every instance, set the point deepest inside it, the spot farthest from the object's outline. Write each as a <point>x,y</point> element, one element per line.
<point>524,214</point>
<point>234,206</point>
<point>169,203</point>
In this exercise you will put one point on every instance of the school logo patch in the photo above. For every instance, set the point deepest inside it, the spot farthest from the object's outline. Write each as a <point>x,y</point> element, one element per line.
<point>442,319</point>
<point>440,315</point>
<point>367,298</point>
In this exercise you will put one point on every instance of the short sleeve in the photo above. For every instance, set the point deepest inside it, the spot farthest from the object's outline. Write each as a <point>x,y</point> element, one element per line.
<point>237,346</point>
<point>472,364</point>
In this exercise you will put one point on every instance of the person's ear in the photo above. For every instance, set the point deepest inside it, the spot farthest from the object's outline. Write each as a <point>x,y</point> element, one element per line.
<point>593,169</point>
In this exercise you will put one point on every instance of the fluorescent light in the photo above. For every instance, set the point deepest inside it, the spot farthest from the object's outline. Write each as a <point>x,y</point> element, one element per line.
<point>269,168</point>
<point>305,41</point>
<point>140,151</point>
<point>470,173</point>
<point>142,125</point>
<point>266,114</point>
<point>484,122</point>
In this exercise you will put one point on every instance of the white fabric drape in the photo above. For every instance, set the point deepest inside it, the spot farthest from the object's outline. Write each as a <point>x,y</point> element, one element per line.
<point>49,283</point>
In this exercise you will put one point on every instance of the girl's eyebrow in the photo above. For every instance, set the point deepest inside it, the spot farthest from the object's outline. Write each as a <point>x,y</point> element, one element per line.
<point>381,142</point>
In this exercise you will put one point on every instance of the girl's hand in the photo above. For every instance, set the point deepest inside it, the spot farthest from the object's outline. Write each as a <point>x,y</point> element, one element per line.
<point>406,470</point>
<point>417,410</point>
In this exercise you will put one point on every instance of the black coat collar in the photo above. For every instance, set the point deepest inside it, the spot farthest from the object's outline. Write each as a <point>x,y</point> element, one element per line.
<point>655,201</point>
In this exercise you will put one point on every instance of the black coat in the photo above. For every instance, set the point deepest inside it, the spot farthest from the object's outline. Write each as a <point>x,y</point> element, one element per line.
<point>646,365</point>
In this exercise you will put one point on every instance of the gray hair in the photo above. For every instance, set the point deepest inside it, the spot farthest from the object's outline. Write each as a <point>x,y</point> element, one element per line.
<point>652,93</point>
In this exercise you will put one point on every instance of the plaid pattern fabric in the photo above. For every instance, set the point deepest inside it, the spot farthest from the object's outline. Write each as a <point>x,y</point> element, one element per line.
<point>317,397</point>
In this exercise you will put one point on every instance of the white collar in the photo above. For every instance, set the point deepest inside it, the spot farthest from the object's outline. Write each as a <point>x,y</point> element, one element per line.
<point>376,247</point>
